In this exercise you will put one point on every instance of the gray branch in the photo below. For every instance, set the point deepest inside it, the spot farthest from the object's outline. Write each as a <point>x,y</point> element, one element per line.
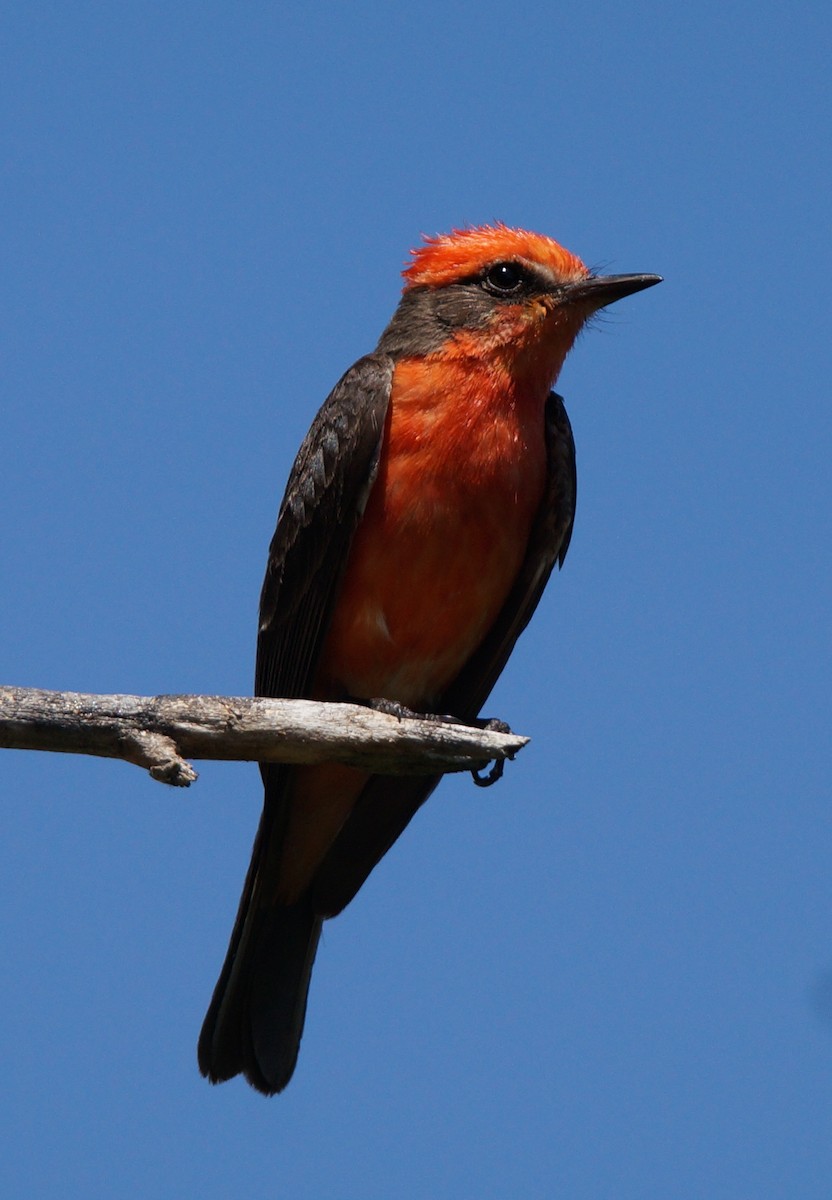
<point>161,732</point>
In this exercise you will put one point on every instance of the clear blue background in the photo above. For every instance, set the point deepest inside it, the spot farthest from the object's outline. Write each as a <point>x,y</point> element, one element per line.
<point>611,976</point>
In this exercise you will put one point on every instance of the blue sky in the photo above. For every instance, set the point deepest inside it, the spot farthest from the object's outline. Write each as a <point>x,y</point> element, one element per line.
<point>612,974</point>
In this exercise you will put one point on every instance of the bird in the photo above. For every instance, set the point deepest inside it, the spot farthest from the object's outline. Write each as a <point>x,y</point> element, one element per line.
<point>425,511</point>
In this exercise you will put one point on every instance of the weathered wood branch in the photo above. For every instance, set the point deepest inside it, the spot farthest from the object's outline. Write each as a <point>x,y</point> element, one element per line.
<point>161,732</point>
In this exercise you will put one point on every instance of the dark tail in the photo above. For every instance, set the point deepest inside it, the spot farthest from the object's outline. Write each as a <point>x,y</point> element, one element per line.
<point>255,1020</point>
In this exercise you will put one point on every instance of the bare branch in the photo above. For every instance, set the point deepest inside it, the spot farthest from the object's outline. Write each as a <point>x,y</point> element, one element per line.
<point>160,732</point>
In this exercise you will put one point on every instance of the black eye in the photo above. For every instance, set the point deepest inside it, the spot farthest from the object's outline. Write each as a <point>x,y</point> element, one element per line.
<point>504,277</point>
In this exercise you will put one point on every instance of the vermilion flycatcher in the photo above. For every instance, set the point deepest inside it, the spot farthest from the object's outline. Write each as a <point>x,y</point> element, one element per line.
<point>424,513</point>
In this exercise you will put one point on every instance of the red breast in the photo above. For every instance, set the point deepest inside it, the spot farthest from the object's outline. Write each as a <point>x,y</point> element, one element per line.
<point>444,533</point>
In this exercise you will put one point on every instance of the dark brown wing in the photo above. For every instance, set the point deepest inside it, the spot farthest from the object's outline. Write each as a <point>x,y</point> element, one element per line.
<point>387,803</point>
<point>255,1018</point>
<point>324,499</point>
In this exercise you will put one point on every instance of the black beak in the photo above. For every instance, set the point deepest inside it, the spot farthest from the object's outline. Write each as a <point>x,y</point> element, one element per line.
<point>600,290</point>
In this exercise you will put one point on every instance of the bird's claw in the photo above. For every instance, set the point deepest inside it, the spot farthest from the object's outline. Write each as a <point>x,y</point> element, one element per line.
<point>494,773</point>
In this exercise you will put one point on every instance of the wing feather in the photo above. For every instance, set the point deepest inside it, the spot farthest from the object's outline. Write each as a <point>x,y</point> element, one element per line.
<point>325,496</point>
<point>256,1014</point>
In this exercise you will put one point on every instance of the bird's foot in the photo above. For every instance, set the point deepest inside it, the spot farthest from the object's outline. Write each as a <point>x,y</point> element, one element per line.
<point>394,709</point>
<point>495,771</point>
<point>492,775</point>
<point>391,707</point>
<point>492,724</point>
<point>481,777</point>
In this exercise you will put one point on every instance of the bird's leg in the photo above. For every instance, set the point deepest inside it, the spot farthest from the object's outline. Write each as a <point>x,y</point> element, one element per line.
<point>493,724</point>
<point>394,709</point>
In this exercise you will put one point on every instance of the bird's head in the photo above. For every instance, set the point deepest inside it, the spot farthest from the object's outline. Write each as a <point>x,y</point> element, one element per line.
<point>499,292</point>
